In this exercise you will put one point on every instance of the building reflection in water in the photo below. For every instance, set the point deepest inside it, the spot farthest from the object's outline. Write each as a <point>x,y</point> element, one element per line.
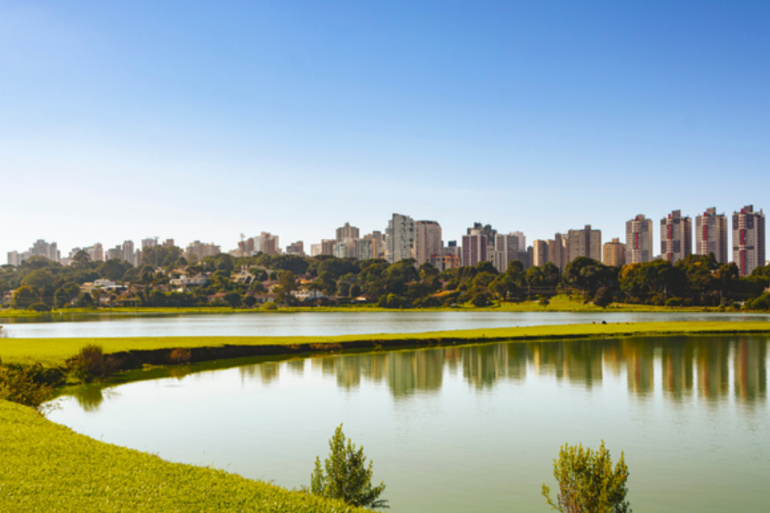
<point>688,366</point>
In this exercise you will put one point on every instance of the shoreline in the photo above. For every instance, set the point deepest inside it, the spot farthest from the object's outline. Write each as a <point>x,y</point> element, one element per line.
<point>131,353</point>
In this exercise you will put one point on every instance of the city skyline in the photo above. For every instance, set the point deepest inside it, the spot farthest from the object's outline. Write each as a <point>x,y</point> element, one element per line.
<point>488,113</point>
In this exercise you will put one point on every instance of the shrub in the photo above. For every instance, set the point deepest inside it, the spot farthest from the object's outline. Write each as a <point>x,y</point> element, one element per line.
<point>346,476</point>
<point>544,302</point>
<point>587,481</point>
<point>481,299</point>
<point>249,301</point>
<point>39,307</point>
<point>91,364</point>
<point>179,355</point>
<point>603,297</point>
<point>674,301</point>
<point>269,306</point>
<point>24,385</point>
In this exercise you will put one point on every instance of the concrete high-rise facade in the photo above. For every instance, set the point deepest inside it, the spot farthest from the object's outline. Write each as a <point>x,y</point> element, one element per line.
<point>675,237</point>
<point>522,240</point>
<point>427,241</point>
<point>507,249</point>
<point>711,235</point>
<point>639,240</point>
<point>347,232</point>
<point>399,238</point>
<point>539,253</point>
<point>327,246</point>
<point>475,247</point>
<point>296,248</point>
<point>748,239</point>
<point>584,243</point>
<point>378,243</point>
<point>127,251</point>
<point>198,251</point>
<point>267,243</point>
<point>557,251</point>
<point>614,253</point>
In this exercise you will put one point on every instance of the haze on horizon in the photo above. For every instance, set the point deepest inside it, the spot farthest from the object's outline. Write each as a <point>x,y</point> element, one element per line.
<point>192,120</point>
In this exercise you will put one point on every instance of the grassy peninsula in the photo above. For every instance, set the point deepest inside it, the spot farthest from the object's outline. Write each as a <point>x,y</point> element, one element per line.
<point>54,351</point>
<point>48,467</point>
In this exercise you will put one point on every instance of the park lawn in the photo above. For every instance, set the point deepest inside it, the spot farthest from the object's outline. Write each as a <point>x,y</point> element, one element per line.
<point>48,467</point>
<point>559,303</point>
<point>54,351</point>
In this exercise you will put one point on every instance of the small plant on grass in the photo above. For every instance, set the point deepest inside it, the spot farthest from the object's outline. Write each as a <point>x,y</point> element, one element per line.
<point>587,482</point>
<point>179,355</point>
<point>91,365</point>
<point>544,302</point>
<point>345,475</point>
<point>24,385</point>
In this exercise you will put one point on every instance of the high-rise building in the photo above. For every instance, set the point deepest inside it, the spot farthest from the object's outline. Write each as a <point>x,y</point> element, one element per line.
<point>675,237</point>
<point>365,248</point>
<point>427,241</point>
<point>748,239</point>
<point>378,244</point>
<point>639,240</point>
<point>539,253</point>
<point>475,247</point>
<point>95,252</point>
<point>711,235</point>
<point>316,249</point>
<point>127,251</point>
<point>347,232</point>
<point>296,248</point>
<point>584,243</point>
<point>114,253</point>
<point>46,250</point>
<point>487,231</point>
<point>148,243</point>
<point>198,251</point>
<point>614,253</point>
<point>557,251</point>
<point>168,243</point>
<point>15,258</point>
<point>267,243</point>
<point>507,249</point>
<point>399,238</point>
<point>522,240</point>
<point>345,248</point>
<point>327,246</point>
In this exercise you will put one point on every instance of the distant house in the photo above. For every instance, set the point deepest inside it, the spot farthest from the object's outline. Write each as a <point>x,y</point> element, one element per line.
<point>243,276</point>
<point>190,281</point>
<point>304,296</point>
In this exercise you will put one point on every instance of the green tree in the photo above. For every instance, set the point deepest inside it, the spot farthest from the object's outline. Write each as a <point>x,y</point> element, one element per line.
<point>81,261</point>
<point>286,285</point>
<point>587,482</point>
<point>114,269</point>
<point>603,297</point>
<point>24,297</point>
<point>38,279</point>
<point>587,275</point>
<point>233,299</point>
<point>65,294</point>
<point>345,476</point>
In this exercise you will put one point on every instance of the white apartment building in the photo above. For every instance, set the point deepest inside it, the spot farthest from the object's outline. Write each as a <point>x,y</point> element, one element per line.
<point>427,241</point>
<point>347,232</point>
<point>711,235</point>
<point>639,240</point>
<point>675,237</point>
<point>539,253</point>
<point>400,236</point>
<point>557,251</point>
<point>198,251</point>
<point>748,239</point>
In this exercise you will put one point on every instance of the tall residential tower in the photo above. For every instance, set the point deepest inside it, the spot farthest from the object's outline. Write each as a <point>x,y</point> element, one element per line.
<point>639,241</point>
<point>711,235</point>
<point>748,239</point>
<point>675,237</point>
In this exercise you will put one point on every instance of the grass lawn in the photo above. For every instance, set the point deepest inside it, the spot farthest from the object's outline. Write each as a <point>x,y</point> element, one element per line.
<point>560,303</point>
<point>48,467</point>
<point>53,351</point>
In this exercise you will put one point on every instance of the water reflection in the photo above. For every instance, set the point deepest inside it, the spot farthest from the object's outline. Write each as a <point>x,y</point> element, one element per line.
<point>680,367</point>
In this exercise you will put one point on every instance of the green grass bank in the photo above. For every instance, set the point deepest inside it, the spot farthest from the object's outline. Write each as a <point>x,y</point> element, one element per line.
<point>48,467</point>
<point>54,351</point>
<point>560,303</point>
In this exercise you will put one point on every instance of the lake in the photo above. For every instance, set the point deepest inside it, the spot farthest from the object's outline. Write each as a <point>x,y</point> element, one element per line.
<point>322,323</point>
<point>472,428</point>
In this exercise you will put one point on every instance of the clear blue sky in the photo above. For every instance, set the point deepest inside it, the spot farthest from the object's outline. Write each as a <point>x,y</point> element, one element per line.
<point>204,120</point>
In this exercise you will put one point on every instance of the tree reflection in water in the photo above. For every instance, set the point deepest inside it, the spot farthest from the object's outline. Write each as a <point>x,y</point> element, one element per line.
<point>686,366</point>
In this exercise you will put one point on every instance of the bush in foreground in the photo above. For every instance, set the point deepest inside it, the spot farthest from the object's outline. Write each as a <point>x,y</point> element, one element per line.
<point>91,365</point>
<point>345,476</point>
<point>587,482</point>
<point>29,385</point>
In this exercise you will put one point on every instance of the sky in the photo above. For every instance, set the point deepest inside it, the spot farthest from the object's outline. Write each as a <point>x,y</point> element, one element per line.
<point>205,120</point>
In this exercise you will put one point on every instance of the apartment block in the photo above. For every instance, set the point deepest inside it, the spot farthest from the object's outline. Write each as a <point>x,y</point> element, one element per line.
<point>127,251</point>
<point>675,237</point>
<point>46,250</point>
<point>400,238</point>
<point>347,232</point>
<point>748,239</point>
<point>487,231</point>
<point>427,241</point>
<point>316,249</point>
<point>584,243</point>
<point>522,240</point>
<point>445,261</point>
<point>296,248</point>
<point>639,240</point>
<point>539,252</point>
<point>711,235</point>
<point>508,249</point>
<point>327,246</point>
<point>475,247</point>
<point>557,251</point>
<point>378,243</point>
<point>614,253</point>
<point>198,251</point>
<point>267,243</point>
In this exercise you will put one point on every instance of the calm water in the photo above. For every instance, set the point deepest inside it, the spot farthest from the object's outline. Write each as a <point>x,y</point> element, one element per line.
<point>471,428</point>
<point>324,323</point>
